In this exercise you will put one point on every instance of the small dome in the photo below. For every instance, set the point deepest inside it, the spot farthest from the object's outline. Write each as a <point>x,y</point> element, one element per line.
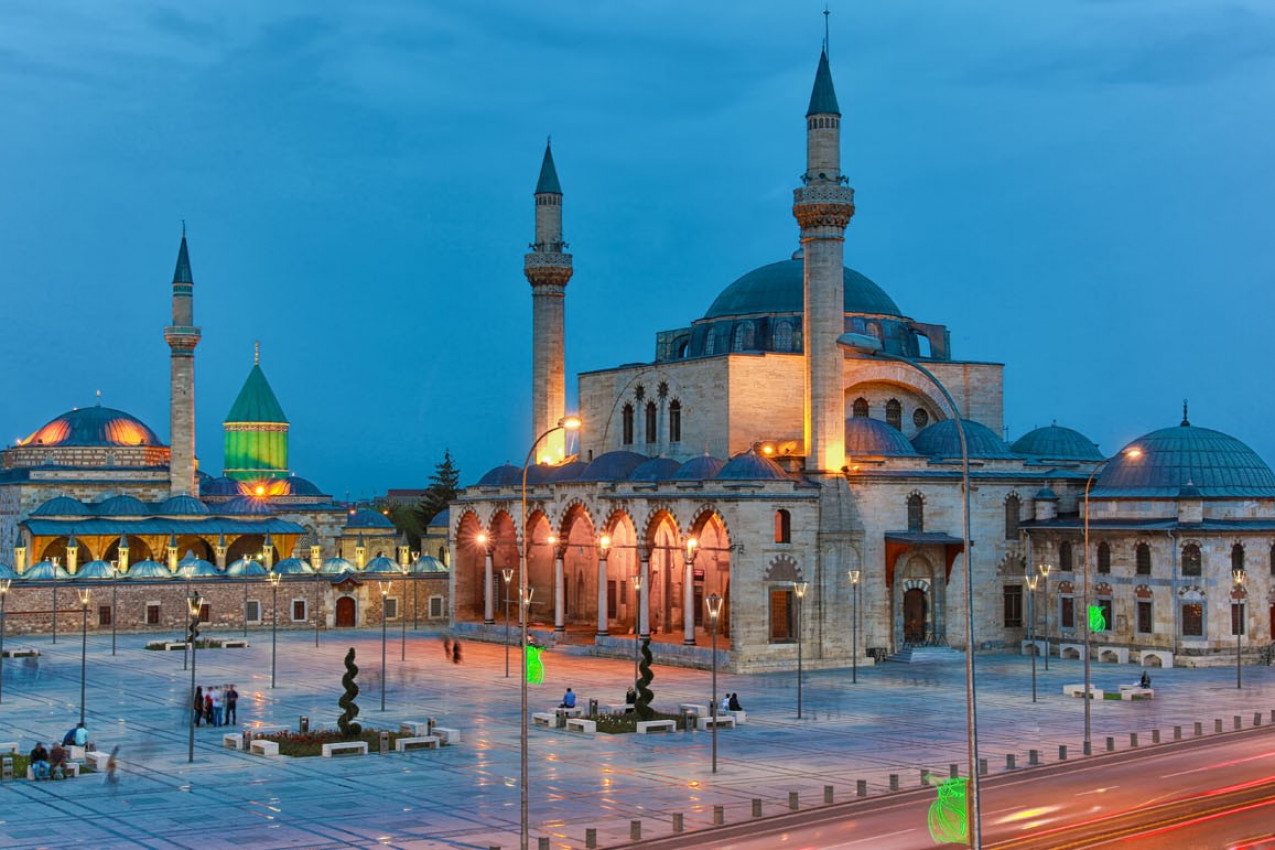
<point>246,506</point>
<point>569,471</point>
<point>45,571</point>
<point>96,570</point>
<point>299,486</point>
<point>336,566</point>
<point>383,565</point>
<point>368,518</point>
<point>122,506</point>
<point>700,468</point>
<point>192,567</point>
<point>294,567</point>
<point>750,466</point>
<point>181,506</point>
<point>93,426</point>
<point>1057,443</point>
<point>779,288</point>
<point>502,476</point>
<point>442,518</point>
<point>656,469</point>
<point>8,572</point>
<point>1046,494</point>
<point>540,473</point>
<point>613,466</point>
<point>246,567</point>
<point>866,436</point>
<point>147,570</point>
<point>941,440</point>
<point>428,564</point>
<point>1216,464</point>
<point>61,506</point>
<point>219,487</point>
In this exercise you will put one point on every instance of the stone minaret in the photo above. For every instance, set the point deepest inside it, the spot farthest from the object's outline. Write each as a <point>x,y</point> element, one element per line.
<point>182,337</point>
<point>823,207</point>
<point>548,268</point>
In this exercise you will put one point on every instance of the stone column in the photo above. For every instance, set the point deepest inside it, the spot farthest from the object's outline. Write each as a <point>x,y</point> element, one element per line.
<point>559,591</point>
<point>688,602</point>
<point>489,588</point>
<point>602,596</point>
<point>644,598</point>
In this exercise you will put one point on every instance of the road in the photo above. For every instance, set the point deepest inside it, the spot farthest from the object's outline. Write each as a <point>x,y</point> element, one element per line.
<point>1207,793</point>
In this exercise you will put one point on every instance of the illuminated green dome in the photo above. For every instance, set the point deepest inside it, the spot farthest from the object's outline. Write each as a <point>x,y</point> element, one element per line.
<point>256,432</point>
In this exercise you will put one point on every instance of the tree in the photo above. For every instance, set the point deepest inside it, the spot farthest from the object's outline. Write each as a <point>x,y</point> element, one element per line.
<point>350,710</point>
<point>444,484</point>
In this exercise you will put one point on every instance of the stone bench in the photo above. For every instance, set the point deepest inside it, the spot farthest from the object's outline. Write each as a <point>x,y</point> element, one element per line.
<point>70,770</point>
<point>262,747</point>
<point>97,758</point>
<point>234,644</point>
<point>358,748</point>
<point>1026,645</point>
<point>22,652</point>
<point>645,727</point>
<point>573,711</point>
<point>170,646</point>
<point>9,747</point>
<point>1136,692</point>
<point>401,745</point>
<point>413,727</point>
<point>1078,690</point>
<point>696,708</point>
<point>447,736</point>
<point>547,719</point>
<point>741,717</point>
<point>1160,657</point>
<point>720,721</point>
<point>82,754</point>
<point>579,724</point>
<point>232,741</point>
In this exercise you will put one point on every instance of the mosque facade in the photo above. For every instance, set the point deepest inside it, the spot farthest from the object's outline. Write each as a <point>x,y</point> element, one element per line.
<point>771,456</point>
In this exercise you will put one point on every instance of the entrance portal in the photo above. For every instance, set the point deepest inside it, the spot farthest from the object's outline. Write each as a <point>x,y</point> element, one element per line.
<point>914,616</point>
<point>345,612</point>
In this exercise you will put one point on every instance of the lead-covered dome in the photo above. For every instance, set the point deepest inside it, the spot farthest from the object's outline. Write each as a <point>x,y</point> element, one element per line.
<point>613,466</point>
<point>941,440</point>
<point>779,288</point>
<point>123,505</point>
<point>700,468</point>
<point>93,426</point>
<point>1171,459</point>
<point>750,466</point>
<point>865,436</point>
<point>1055,442</point>
<point>368,518</point>
<point>61,506</point>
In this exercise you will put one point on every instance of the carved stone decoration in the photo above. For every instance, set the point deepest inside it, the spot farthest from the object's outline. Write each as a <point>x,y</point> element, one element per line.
<point>782,568</point>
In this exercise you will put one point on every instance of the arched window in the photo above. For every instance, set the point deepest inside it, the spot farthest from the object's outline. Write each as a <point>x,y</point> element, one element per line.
<point>1142,558</point>
<point>1237,557</point>
<point>860,408</point>
<point>743,340</point>
<point>1104,557</point>
<point>783,336</point>
<point>916,512</point>
<point>1012,507</point>
<point>710,341</point>
<point>683,347</point>
<point>783,526</point>
<point>920,418</point>
<point>1064,556</point>
<point>675,421</point>
<point>627,429</point>
<point>1191,560</point>
<point>894,413</point>
<point>651,436</point>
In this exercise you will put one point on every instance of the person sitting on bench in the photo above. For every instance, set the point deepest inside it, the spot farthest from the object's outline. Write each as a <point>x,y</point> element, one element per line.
<point>568,699</point>
<point>1145,681</point>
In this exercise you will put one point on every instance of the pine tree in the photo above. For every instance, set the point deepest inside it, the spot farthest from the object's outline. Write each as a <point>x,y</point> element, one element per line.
<point>444,484</point>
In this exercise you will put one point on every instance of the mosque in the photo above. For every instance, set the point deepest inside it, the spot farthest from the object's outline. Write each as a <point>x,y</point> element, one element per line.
<point>93,499</point>
<point>788,454</point>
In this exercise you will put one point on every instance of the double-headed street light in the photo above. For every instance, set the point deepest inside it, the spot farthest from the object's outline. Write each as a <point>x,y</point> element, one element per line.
<point>1031,581</point>
<point>508,575</point>
<point>854,627</point>
<point>1044,577</point>
<point>799,587</point>
<point>84,645</point>
<point>714,605</point>
<point>194,606</point>
<point>275,578</point>
<point>1237,621</point>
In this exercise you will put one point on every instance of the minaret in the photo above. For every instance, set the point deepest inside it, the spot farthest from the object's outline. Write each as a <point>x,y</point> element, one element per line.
<point>182,337</point>
<point>548,268</point>
<point>823,207</point>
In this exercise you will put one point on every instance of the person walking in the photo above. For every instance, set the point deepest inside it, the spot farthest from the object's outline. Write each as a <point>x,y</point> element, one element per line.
<point>111,765</point>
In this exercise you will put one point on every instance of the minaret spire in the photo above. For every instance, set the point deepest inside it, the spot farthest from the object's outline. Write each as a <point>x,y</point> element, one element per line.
<point>182,337</point>
<point>548,269</point>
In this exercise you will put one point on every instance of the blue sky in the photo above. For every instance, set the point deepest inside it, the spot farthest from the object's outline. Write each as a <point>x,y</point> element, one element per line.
<point>1078,189</point>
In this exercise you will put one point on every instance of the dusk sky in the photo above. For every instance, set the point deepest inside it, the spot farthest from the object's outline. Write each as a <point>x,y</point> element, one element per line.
<point>1077,189</point>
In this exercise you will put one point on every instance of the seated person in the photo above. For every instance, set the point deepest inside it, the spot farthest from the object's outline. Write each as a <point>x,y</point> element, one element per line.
<point>568,699</point>
<point>734,703</point>
<point>80,735</point>
<point>40,761</point>
<point>1145,681</point>
<point>630,699</point>
<point>57,761</point>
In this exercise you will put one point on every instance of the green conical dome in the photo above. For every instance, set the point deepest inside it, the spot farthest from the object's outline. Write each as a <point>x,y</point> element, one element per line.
<point>256,401</point>
<point>256,432</point>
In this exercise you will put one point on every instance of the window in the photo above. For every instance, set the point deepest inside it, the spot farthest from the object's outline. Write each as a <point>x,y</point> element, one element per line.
<point>299,612</point>
<point>743,340</point>
<point>1193,620</point>
<point>783,526</point>
<point>920,418</point>
<point>860,408</point>
<point>152,613</point>
<point>1237,618</point>
<point>781,612</point>
<point>205,612</point>
<point>104,615</point>
<point>675,422</point>
<point>1237,557</point>
<point>1191,560</point>
<point>252,611</point>
<point>710,341</point>
<point>1013,606</point>
<point>783,336</point>
<point>916,512</point>
<point>1104,557</point>
<point>894,413</point>
<point>1064,556</point>
<point>435,607</point>
<point>1067,612</point>
<point>1143,559</point>
<point>1012,507</point>
<point>1144,617</point>
<point>391,608</point>
<point>627,425</point>
<point>650,422</point>
<point>1108,615</point>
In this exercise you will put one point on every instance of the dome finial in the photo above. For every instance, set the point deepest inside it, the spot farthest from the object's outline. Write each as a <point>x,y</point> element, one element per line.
<point>99,398</point>
<point>256,352</point>
<point>826,15</point>
<point>1186,423</point>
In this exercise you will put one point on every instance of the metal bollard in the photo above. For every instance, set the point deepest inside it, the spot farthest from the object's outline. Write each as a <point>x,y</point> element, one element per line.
<point>1033,757</point>
<point>953,771</point>
<point>1009,761</point>
<point>861,788</point>
<point>1199,729</point>
<point>1111,744</point>
<point>635,830</point>
<point>1217,724</point>
<point>1062,752</point>
<point>1177,733</point>
<point>677,822</point>
<point>792,801</point>
<point>894,782</point>
<point>1239,722</point>
<point>757,807</point>
<point>1257,718</point>
<point>1155,736</point>
<point>385,742</point>
<point>303,724</point>
<point>827,794</point>
<point>982,767</point>
<point>542,843</point>
<point>6,767</point>
<point>591,838</point>
<point>1133,739</point>
<point>719,815</point>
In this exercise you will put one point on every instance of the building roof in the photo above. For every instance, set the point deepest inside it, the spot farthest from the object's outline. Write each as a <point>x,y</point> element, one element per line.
<point>613,466</point>
<point>93,426</point>
<point>123,505</point>
<point>181,505</point>
<point>779,288</point>
<point>823,99</point>
<point>866,436</point>
<point>656,469</point>
<point>368,518</point>
<point>182,273</point>
<point>61,506</point>
<point>202,526</point>
<point>501,476</point>
<point>699,468</point>
<point>1054,442</point>
<point>294,567</point>
<point>750,466</point>
<point>246,567</point>
<point>548,182</point>
<point>96,570</point>
<point>1215,464</point>
<point>256,402</point>
<point>147,569</point>
<point>941,440</point>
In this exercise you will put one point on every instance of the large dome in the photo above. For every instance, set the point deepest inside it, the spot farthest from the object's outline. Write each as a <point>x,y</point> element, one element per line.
<point>1215,464</point>
<point>93,426</point>
<point>779,288</point>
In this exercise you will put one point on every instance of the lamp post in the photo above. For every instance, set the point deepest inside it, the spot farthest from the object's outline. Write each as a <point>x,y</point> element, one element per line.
<point>714,605</point>
<point>854,627</point>
<point>402,618</point>
<point>604,548</point>
<point>1237,578</point>
<point>871,346</point>
<point>114,610</point>
<point>194,604</point>
<point>569,423</point>
<point>186,645</point>
<point>4,601</point>
<point>84,644</point>
<point>799,587</point>
<point>274,623</point>
<point>416,557</point>
<point>385,590</point>
<point>1031,623</point>
<point>1044,577</point>
<point>637,614</point>
<point>508,575</point>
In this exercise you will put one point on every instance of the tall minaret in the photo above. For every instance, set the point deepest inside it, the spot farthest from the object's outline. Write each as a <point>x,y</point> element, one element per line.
<point>823,207</point>
<point>548,268</point>
<point>182,337</point>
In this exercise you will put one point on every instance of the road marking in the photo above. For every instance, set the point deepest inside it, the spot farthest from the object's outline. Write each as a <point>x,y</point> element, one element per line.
<point>1218,765</point>
<point>872,838</point>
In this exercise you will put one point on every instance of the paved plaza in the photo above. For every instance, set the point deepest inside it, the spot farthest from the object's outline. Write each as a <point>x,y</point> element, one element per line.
<point>897,719</point>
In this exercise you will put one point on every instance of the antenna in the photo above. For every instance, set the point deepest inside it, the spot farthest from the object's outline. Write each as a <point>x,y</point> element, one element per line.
<point>183,228</point>
<point>826,13</point>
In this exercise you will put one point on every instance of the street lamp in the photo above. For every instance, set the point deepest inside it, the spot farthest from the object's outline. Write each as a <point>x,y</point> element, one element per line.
<point>4,600</point>
<point>569,423</point>
<point>854,628</point>
<point>402,615</point>
<point>871,346</point>
<point>604,548</point>
<point>714,605</point>
<point>194,604</point>
<point>84,644</point>
<point>385,590</point>
<point>799,587</point>
<point>1031,623</point>
<point>508,574</point>
<point>1044,577</point>
<point>1133,452</point>
<point>637,614</point>
<point>274,622</point>
<point>1237,577</point>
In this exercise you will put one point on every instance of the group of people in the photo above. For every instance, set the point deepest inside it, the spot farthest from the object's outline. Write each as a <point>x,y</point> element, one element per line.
<point>451,649</point>
<point>730,702</point>
<point>51,764</point>
<point>216,705</point>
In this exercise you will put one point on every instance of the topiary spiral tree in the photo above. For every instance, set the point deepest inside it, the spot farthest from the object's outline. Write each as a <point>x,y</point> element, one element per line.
<point>349,729</point>
<point>644,693</point>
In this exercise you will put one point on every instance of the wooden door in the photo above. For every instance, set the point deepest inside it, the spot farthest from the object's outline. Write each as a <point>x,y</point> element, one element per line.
<point>914,609</point>
<point>345,612</point>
